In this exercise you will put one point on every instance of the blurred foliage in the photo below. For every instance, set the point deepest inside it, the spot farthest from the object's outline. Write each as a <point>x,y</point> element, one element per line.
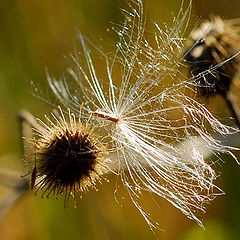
<point>35,35</point>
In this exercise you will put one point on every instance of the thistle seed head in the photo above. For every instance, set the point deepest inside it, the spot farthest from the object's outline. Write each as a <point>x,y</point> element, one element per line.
<point>68,157</point>
<point>213,55</point>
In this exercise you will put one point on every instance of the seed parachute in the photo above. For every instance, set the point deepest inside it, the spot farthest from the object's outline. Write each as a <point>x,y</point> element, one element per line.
<point>144,114</point>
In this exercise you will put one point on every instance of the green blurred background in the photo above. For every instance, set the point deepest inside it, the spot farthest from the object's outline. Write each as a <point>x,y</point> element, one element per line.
<point>35,35</point>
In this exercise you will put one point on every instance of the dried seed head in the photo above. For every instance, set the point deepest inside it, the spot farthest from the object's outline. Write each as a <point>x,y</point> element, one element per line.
<point>213,55</point>
<point>68,157</point>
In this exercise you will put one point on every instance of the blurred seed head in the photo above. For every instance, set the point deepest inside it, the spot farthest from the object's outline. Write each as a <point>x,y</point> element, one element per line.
<point>69,156</point>
<point>213,55</point>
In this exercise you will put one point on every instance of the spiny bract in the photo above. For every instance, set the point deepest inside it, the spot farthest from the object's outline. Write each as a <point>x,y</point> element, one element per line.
<point>69,156</point>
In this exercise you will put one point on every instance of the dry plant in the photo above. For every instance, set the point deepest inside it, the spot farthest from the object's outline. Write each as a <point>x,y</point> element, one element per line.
<point>68,156</point>
<point>213,56</point>
<point>141,115</point>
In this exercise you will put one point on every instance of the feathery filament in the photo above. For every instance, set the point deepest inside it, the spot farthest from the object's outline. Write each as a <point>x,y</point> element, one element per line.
<point>146,115</point>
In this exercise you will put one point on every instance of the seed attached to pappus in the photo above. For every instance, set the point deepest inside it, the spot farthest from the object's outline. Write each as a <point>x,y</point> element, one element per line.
<point>213,55</point>
<point>69,157</point>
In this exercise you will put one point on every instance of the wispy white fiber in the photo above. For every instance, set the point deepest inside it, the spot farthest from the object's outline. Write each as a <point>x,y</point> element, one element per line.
<point>143,109</point>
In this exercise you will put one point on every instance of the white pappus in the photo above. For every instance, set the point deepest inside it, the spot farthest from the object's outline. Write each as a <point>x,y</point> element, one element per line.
<point>143,110</point>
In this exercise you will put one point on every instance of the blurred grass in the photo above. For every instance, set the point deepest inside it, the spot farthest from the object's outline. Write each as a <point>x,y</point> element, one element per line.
<point>38,34</point>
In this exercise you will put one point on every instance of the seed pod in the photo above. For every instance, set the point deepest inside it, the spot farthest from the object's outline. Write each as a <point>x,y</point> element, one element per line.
<point>213,55</point>
<point>68,157</point>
